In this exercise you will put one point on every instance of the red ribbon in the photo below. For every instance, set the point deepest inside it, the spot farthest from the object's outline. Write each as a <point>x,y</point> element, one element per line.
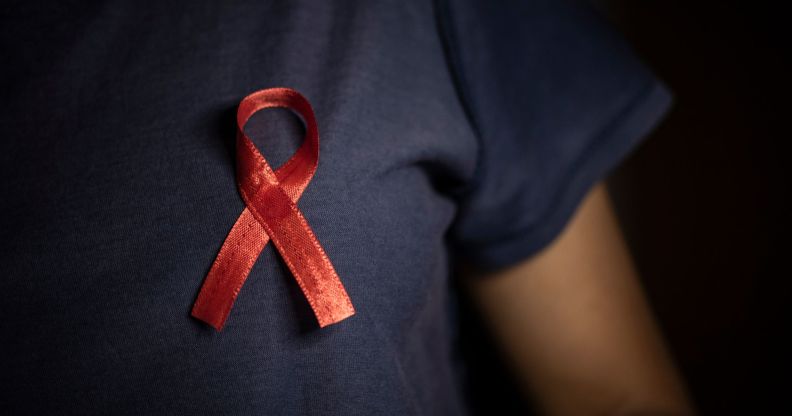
<point>271,213</point>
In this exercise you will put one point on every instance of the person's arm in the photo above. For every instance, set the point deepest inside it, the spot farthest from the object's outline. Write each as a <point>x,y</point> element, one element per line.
<point>575,324</point>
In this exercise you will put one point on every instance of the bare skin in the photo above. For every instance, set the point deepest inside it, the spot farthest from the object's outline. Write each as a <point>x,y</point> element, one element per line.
<point>575,324</point>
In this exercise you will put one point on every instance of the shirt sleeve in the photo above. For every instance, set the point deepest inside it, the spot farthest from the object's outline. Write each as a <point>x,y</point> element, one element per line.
<point>557,100</point>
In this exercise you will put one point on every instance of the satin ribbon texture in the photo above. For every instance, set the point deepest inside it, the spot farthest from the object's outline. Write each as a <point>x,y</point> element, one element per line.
<point>271,213</point>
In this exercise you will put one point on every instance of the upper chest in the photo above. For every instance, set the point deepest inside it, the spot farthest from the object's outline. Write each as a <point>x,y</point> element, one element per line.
<point>123,166</point>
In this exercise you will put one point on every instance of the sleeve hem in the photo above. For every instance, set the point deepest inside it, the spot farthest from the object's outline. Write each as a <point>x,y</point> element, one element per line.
<point>617,140</point>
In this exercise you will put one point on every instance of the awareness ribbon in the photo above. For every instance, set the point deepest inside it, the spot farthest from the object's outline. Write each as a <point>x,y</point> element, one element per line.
<point>271,213</point>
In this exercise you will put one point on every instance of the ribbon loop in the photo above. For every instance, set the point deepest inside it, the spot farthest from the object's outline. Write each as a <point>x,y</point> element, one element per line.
<point>271,213</point>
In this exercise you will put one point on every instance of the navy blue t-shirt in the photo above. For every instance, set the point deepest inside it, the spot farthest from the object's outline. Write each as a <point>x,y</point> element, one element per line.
<point>448,129</point>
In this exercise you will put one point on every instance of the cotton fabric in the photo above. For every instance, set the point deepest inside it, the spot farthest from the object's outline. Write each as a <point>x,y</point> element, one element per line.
<point>448,130</point>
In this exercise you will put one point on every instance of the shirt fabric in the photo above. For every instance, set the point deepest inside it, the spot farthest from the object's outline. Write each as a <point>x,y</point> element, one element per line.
<point>447,130</point>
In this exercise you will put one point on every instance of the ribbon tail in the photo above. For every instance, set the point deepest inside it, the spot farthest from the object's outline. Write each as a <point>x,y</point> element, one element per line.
<point>229,271</point>
<point>302,253</point>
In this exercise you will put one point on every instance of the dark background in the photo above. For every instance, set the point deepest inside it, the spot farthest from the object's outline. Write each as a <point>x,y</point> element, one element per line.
<point>702,202</point>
